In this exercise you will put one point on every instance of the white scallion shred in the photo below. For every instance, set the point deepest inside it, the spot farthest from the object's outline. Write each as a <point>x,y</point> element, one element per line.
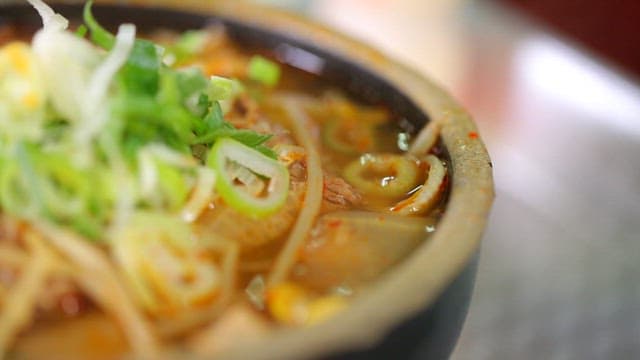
<point>250,181</point>
<point>126,195</point>
<point>169,156</point>
<point>202,195</point>
<point>95,114</point>
<point>125,199</point>
<point>66,63</point>
<point>256,292</point>
<point>50,19</point>
<point>148,173</point>
<point>149,159</point>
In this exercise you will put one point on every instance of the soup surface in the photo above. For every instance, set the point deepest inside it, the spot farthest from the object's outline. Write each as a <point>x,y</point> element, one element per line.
<point>174,192</point>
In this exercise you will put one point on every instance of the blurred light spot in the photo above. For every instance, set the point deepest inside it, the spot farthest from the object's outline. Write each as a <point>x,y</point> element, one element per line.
<point>552,69</point>
<point>300,58</point>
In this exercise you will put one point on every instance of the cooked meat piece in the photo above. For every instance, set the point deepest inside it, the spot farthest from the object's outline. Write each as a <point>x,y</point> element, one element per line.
<point>298,171</point>
<point>61,298</point>
<point>338,194</point>
<point>244,113</point>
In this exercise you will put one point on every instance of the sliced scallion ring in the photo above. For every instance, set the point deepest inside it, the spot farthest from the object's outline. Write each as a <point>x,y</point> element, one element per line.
<point>387,175</point>
<point>248,181</point>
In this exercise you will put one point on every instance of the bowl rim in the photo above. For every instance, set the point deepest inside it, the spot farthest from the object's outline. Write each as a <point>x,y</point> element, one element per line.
<point>417,281</point>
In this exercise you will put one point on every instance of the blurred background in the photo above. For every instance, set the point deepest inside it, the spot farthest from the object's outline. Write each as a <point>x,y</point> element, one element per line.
<point>552,85</point>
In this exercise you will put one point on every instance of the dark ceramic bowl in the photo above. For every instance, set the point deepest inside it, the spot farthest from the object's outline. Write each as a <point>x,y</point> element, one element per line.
<point>416,310</point>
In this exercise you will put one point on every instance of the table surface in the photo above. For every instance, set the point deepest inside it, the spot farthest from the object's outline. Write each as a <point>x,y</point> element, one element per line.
<point>559,274</point>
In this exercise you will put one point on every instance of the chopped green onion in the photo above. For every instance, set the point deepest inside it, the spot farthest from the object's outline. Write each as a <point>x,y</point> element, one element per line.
<point>218,128</point>
<point>225,91</point>
<point>264,71</point>
<point>157,124</point>
<point>173,185</point>
<point>35,184</point>
<point>248,181</point>
<point>140,74</point>
<point>99,35</point>
<point>221,88</point>
<point>81,31</point>
<point>188,45</point>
